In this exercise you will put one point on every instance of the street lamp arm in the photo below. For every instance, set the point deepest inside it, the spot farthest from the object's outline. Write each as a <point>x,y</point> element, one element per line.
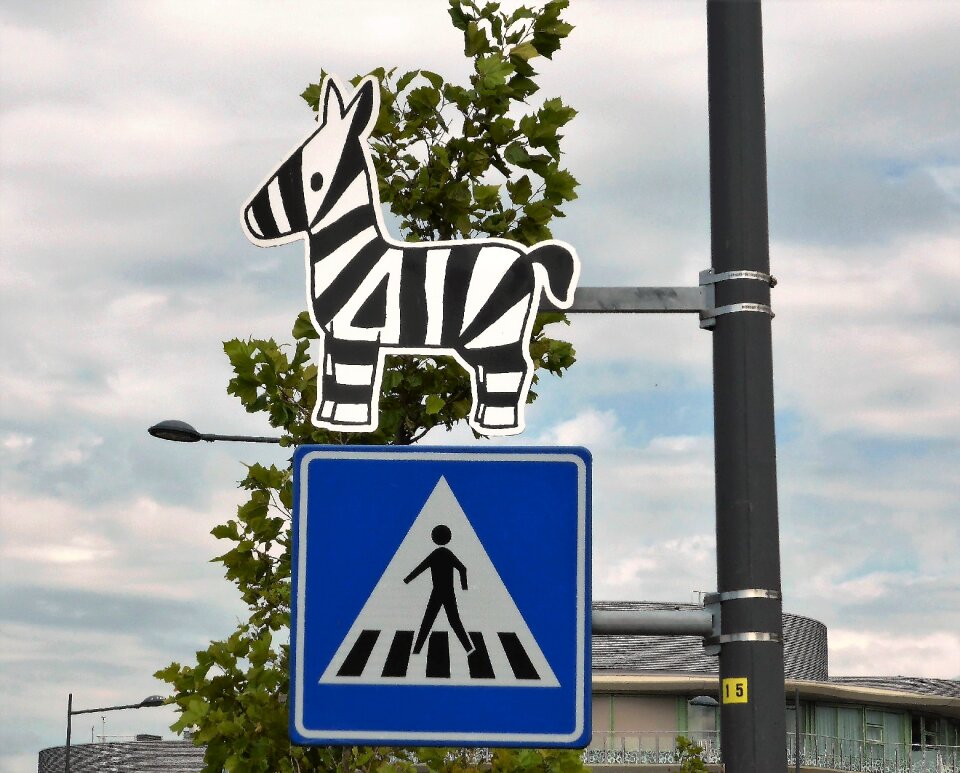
<point>239,438</point>
<point>107,708</point>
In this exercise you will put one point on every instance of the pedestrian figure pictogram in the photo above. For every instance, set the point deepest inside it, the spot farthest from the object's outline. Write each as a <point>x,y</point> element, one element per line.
<point>441,563</point>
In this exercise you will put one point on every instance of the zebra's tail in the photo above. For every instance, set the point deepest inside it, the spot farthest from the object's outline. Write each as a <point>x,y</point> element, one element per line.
<point>562,267</point>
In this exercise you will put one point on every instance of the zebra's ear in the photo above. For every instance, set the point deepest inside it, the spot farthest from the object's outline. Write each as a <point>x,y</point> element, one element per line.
<point>364,107</point>
<point>332,98</point>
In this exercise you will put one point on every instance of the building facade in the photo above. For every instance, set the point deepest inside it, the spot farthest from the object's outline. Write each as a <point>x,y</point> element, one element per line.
<point>647,690</point>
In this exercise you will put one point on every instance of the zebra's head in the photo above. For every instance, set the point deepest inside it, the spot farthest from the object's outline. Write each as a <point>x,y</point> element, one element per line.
<point>308,185</point>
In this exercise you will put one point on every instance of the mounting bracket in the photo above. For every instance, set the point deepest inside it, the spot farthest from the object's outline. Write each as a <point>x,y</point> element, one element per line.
<point>666,300</point>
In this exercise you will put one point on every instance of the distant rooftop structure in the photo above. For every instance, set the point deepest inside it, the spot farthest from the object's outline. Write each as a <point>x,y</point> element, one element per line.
<point>140,756</point>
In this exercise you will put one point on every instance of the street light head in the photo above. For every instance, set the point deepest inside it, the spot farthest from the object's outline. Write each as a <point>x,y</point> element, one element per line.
<point>704,700</point>
<point>174,429</point>
<point>152,700</point>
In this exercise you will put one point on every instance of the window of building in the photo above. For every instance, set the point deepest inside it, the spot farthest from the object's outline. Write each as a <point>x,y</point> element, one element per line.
<point>873,726</point>
<point>926,731</point>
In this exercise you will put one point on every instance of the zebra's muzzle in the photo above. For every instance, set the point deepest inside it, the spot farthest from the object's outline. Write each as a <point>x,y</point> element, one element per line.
<point>251,221</point>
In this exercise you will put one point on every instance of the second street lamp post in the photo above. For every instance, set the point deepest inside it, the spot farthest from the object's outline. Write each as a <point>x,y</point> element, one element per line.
<point>150,700</point>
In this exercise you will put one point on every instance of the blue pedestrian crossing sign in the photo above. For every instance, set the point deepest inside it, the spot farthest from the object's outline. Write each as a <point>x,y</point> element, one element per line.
<point>441,596</point>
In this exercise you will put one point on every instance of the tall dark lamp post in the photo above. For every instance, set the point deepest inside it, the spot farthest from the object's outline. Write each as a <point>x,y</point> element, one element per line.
<point>150,700</point>
<point>748,540</point>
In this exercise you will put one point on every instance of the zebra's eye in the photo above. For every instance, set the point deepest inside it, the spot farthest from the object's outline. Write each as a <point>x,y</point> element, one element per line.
<point>316,181</point>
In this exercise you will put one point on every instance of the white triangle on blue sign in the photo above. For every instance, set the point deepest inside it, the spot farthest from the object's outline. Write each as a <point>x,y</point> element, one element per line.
<point>378,647</point>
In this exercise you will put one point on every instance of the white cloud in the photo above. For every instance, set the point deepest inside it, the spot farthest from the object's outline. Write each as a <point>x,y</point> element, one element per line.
<point>137,545</point>
<point>670,570</point>
<point>15,441</point>
<point>935,655</point>
<point>865,339</point>
<point>594,429</point>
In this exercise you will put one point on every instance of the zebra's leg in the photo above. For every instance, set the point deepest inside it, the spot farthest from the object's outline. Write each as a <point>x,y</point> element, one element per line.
<point>345,388</point>
<point>500,383</point>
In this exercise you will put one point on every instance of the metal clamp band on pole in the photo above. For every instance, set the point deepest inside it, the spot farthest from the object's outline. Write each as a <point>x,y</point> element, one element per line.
<point>708,277</point>
<point>707,281</point>
<point>746,593</point>
<point>707,317</point>
<point>726,638</point>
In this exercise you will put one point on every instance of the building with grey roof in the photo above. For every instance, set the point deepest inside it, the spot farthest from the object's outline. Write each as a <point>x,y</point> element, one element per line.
<point>647,690</point>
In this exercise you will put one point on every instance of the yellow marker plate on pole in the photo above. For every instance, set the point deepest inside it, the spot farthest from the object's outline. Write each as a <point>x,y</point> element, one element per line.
<point>735,690</point>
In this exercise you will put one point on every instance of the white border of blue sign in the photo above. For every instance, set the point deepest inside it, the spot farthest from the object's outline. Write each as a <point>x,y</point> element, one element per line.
<point>579,736</point>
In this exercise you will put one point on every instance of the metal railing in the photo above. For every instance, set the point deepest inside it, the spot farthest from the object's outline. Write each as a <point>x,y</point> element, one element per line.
<point>646,747</point>
<point>818,751</point>
<point>606,748</point>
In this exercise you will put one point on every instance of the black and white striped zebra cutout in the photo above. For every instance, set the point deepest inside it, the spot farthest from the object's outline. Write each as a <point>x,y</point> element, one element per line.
<point>369,295</point>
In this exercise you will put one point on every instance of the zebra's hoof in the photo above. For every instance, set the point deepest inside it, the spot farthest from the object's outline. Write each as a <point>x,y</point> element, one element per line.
<point>343,414</point>
<point>496,417</point>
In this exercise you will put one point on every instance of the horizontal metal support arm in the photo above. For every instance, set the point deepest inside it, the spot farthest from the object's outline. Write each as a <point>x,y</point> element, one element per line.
<point>699,300</point>
<point>652,622</point>
<point>106,708</point>
<point>239,438</point>
<point>636,300</point>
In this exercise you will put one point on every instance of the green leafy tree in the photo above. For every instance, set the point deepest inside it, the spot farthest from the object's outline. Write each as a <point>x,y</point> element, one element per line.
<point>452,161</point>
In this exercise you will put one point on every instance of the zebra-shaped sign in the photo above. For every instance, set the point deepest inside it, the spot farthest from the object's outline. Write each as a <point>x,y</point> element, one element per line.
<point>370,295</point>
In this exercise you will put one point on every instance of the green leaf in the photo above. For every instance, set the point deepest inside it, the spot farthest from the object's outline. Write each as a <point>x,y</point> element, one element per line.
<point>475,40</point>
<point>226,530</point>
<point>423,99</point>
<point>404,80</point>
<point>434,404</point>
<point>433,78</point>
<point>516,154</point>
<point>524,51</point>
<point>493,71</point>
<point>560,186</point>
<point>457,16</point>
<point>313,93</point>
<point>520,190</point>
<point>486,195</point>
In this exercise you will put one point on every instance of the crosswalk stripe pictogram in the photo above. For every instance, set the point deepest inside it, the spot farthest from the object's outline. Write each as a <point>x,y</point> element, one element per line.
<point>438,655</point>
<point>517,655</point>
<point>510,656</point>
<point>359,654</point>
<point>399,655</point>
<point>479,661</point>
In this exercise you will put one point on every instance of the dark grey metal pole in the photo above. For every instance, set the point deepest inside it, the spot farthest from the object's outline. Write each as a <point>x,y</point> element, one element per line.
<point>753,703</point>
<point>66,756</point>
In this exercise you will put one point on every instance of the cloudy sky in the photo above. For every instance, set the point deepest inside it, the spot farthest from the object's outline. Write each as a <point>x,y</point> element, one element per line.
<point>132,132</point>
